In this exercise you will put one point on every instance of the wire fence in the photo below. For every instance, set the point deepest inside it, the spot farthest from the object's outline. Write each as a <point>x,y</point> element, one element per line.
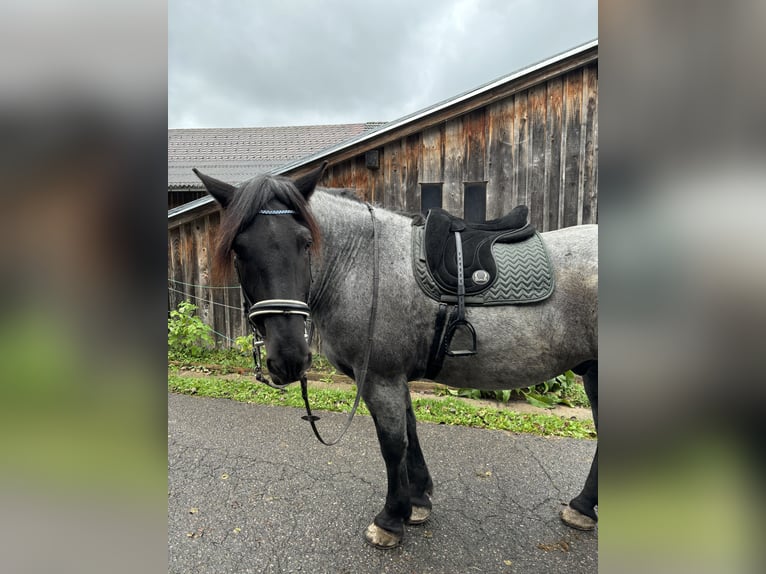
<point>188,294</point>
<point>203,286</point>
<point>207,300</point>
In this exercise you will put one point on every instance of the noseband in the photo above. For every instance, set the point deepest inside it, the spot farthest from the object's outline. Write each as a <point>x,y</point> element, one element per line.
<point>274,307</point>
<point>278,307</point>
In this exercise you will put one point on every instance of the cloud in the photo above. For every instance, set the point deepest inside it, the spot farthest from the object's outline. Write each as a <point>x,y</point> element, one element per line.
<point>291,62</point>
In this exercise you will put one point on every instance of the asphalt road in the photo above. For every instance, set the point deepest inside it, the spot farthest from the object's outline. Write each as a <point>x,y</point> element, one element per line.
<point>250,490</point>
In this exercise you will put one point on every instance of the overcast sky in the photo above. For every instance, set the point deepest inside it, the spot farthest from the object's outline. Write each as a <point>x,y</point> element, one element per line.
<point>241,63</point>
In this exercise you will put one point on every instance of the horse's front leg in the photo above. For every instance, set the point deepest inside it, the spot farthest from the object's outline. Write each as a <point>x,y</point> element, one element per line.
<point>387,401</point>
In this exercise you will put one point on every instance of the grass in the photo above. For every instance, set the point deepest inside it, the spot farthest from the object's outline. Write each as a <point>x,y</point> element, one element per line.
<point>221,360</point>
<point>442,410</point>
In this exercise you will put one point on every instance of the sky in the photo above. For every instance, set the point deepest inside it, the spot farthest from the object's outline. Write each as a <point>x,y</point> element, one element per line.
<point>254,63</point>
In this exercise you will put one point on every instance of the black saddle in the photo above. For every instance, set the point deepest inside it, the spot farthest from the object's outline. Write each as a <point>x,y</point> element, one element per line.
<point>479,271</point>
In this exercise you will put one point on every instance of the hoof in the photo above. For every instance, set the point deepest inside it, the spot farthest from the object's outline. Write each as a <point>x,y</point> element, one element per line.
<point>576,519</point>
<point>419,515</point>
<point>379,538</point>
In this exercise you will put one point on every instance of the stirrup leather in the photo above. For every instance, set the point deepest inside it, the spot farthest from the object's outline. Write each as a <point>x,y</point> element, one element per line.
<point>459,322</point>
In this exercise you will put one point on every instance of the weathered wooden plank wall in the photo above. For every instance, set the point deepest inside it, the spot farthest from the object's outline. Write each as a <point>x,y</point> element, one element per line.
<point>537,146</point>
<point>190,247</point>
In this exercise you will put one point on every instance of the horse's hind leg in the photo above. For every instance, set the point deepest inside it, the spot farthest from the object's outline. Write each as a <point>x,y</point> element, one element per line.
<point>387,402</point>
<point>581,512</point>
<point>421,485</point>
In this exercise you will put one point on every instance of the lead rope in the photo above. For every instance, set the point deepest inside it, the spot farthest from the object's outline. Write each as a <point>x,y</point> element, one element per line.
<point>311,418</point>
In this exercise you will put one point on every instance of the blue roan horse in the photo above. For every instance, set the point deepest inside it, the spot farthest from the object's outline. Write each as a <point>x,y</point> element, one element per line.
<point>295,245</point>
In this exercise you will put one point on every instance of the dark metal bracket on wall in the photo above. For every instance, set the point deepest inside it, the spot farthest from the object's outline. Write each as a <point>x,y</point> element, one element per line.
<point>372,159</point>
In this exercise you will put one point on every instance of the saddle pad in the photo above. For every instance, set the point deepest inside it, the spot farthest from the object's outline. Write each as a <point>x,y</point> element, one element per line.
<point>524,273</point>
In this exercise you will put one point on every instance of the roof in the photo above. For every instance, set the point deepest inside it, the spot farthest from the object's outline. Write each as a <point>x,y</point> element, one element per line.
<point>574,57</point>
<point>236,154</point>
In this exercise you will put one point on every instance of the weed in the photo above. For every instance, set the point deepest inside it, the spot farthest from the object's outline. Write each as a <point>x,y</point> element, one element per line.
<point>188,335</point>
<point>564,389</point>
<point>244,344</point>
<point>438,410</point>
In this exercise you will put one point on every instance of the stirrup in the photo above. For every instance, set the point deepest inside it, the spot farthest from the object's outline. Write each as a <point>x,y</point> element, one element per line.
<point>451,330</point>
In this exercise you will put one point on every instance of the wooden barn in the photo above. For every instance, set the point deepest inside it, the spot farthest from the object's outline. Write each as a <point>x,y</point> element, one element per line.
<point>528,138</point>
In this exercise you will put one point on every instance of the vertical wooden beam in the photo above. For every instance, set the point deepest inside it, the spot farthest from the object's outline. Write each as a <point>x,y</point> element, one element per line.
<point>347,175</point>
<point>500,157</point>
<point>194,290</point>
<point>218,296</point>
<point>411,153</point>
<point>392,177</point>
<point>327,179</point>
<point>590,160</point>
<point>363,179</point>
<point>176,267</point>
<point>454,170</point>
<point>187,255</point>
<point>349,167</point>
<point>431,160</point>
<point>475,136</point>
<point>203,302</point>
<point>553,173</point>
<point>237,326</point>
<point>571,147</point>
<point>377,180</point>
<point>521,150</point>
<point>536,174</point>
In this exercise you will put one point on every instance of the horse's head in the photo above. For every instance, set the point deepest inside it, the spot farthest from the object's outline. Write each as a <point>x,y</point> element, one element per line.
<point>268,227</point>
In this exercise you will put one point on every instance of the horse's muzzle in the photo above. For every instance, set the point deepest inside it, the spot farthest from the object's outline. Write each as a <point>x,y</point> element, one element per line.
<point>287,361</point>
<point>284,371</point>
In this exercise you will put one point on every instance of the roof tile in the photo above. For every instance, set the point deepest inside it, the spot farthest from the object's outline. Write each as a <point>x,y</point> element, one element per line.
<point>236,154</point>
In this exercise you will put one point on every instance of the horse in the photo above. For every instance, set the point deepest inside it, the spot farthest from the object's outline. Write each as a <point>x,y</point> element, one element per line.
<point>343,261</point>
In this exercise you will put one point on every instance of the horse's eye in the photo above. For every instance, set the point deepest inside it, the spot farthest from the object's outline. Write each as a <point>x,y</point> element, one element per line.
<point>309,243</point>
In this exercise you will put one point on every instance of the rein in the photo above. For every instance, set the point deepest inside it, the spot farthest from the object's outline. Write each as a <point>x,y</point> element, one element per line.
<point>370,333</point>
<point>293,307</point>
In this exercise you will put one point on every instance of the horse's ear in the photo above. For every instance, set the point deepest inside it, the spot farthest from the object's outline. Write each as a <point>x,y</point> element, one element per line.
<point>307,183</point>
<point>221,191</point>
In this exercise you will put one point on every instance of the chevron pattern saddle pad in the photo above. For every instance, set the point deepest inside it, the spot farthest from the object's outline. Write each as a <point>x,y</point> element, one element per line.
<point>524,273</point>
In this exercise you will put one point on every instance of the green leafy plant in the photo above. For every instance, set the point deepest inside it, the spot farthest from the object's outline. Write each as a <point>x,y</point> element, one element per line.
<point>321,365</point>
<point>244,344</point>
<point>561,390</point>
<point>188,335</point>
<point>468,393</point>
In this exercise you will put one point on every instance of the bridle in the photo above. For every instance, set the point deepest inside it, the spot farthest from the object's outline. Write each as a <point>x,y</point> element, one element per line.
<point>270,307</point>
<point>294,307</point>
<point>274,307</point>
